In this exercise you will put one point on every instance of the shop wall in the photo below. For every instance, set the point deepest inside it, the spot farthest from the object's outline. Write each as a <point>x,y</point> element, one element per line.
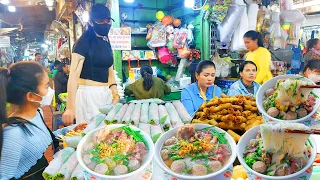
<point>312,20</point>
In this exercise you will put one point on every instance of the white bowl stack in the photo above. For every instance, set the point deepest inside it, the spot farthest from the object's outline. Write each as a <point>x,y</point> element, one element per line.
<point>119,87</point>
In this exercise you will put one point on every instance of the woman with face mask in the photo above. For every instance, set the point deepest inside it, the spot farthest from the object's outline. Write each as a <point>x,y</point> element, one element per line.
<point>24,136</point>
<point>312,71</point>
<point>91,79</point>
<point>245,85</point>
<point>203,89</point>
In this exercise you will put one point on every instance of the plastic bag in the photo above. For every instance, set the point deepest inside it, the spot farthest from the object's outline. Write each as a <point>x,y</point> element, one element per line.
<point>293,16</point>
<point>190,39</point>
<point>164,55</point>
<point>184,52</point>
<point>226,29</point>
<point>181,68</point>
<point>158,38</point>
<point>180,38</point>
<point>237,42</point>
<point>253,16</point>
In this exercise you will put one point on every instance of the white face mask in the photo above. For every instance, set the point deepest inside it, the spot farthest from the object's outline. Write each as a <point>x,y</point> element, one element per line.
<point>47,99</point>
<point>314,77</point>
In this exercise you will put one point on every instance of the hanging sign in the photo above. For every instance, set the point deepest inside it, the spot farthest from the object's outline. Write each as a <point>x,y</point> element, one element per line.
<point>120,38</point>
<point>4,41</point>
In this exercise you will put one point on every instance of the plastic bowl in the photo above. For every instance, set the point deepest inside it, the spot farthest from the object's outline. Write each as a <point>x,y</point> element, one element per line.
<point>303,174</point>
<point>307,120</point>
<point>98,176</point>
<point>224,173</point>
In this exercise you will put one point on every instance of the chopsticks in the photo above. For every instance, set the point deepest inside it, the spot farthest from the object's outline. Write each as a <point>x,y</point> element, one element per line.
<point>311,131</point>
<point>310,86</point>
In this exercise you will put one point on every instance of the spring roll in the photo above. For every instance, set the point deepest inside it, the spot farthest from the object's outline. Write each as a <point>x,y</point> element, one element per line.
<point>184,115</point>
<point>77,173</point>
<point>144,117</point>
<point>220,107</point>
<point>216,117</point>
<point>228,118</point>
<point>165,121</point>
<point>134,120</point>
<point>127,115</point>
<point>59,159</point>
<point>145,127</point>
<point>174,116</point>
<point>94,123</point>
<point>66,169</point>
<point>228,100</point>
<point>156,132</point>
<point>113,113</point>
<point>154,114</point>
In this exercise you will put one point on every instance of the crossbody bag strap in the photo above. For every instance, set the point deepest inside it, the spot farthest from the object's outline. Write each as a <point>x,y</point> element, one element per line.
<point>55,142</point>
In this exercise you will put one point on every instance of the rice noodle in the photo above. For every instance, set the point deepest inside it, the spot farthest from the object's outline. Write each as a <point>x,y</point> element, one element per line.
<point>275,139</point>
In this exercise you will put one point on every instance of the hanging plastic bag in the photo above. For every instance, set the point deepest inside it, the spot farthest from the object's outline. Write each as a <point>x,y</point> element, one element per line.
<point>181,67</point>
<point>217,61</point>
<point>225,69</point>
<point>180,38</point>
<point>253,16</point>
<point>190,39</point>
<point>237,42</point>
<point>184,52</point>
<point>164,55</point>
<point>226,29</point>
<point>158,38</point>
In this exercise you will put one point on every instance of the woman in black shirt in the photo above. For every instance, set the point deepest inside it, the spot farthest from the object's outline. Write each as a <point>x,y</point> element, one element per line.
<point>91,80</point>
<point>61,80</point>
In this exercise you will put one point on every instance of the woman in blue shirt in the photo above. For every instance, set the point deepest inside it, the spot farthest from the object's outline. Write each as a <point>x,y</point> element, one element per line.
<point>203,89</point>
<point>24,136</point>
<point>245,85</point>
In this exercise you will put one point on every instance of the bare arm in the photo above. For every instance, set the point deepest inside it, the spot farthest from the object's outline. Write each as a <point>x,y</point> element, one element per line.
<point>112,80</point>
<point>75,70</point>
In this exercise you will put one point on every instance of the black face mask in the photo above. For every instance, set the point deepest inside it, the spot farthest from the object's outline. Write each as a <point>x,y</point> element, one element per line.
<point>102,29</point>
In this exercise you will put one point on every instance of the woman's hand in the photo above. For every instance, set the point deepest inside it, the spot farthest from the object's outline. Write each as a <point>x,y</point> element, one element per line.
<point>68,117</point>
<point>116,100</point>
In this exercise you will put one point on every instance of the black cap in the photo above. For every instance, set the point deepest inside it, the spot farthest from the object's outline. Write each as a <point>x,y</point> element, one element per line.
<point>100,12</point>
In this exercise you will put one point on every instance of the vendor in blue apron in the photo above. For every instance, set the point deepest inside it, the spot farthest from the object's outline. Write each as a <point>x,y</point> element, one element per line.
<point>203,89</point>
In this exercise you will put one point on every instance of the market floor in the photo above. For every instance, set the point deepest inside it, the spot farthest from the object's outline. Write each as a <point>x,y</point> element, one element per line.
<point>48,119</point>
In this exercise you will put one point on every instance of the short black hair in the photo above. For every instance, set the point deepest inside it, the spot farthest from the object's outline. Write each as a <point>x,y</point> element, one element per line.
<point>254,35</point>
<point>313,65</point>
<point>203,65</point>
<point>244,63</point>
<point>56,63</point>
<point>37,54</point>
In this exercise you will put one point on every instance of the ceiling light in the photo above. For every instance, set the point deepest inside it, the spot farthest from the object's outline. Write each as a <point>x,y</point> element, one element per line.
<point>5,2</point>
<point>189,3</point>
<point>85,16</point>
<point>11,9</point>
<point>48,42</point>
<point>49,3</point>
<point>306,4</point>
<point>129,1</point>
<point>44,46</point>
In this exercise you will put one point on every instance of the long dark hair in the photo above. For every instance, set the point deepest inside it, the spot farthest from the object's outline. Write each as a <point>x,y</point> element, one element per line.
<point>313,65</point>
<point>244,63</point>
<point>254,35</point>
<point>15,82</point>
<point>311,43</point>
<point>146,73</point>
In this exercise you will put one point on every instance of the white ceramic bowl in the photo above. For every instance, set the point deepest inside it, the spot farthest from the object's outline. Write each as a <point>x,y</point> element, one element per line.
<point>307,120</point>
<point>98,176</point>
<point>225,171</point>
<point>303,174</point>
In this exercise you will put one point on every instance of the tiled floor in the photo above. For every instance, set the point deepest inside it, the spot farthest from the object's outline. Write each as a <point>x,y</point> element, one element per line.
<point>48,119</point>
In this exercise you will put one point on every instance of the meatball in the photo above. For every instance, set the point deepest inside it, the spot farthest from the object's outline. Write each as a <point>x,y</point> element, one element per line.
<point>269,92</point>
<point>170,141</point>
<point>164,154</point>
<point>178,166</point>
<point>120,169</point>
<point>199,170</point>
<point>111,164</point>
<point>290,116</point>
<point>101,168</point>
<point>302,112</point>
<point>259,167</point>
<point>185,132</point>
<point>87,158</point>
<point>134,164</point>
<point>88,147</point>
<point>281,171</point>
<point>215,165</point>
<point>273,112</point>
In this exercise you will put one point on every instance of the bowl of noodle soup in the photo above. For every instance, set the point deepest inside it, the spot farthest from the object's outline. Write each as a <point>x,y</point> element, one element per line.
<point>261,97</point>
<point>301,173</point>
